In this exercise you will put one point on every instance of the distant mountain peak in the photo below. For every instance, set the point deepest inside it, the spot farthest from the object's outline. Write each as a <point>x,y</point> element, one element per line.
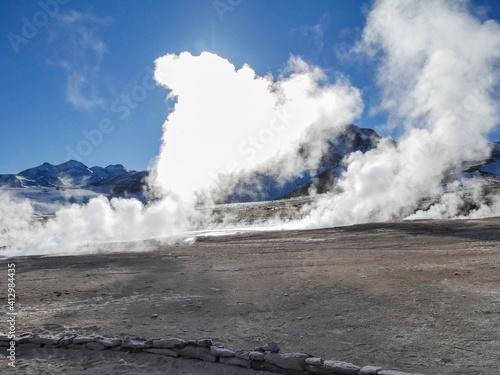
<point>117,169</point>
<point>71,173</point>
<point>74,163</point>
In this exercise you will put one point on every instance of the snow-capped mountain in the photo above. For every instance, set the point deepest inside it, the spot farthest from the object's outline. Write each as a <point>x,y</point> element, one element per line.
<point>51,186</point>
<point>69,174</point>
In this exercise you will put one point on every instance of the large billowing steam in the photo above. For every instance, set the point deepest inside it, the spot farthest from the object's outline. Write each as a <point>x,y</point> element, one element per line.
<point>438,69</point>
<point>97,221</point>
<point>226,124</point>
<point>227,121</point>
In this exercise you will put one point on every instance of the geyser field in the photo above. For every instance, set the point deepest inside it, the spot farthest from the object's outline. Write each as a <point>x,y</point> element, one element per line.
<point>417,296</point>
<point>394,263</point>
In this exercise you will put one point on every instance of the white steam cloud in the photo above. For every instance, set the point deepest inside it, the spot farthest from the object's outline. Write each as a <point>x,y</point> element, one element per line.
<point>98,221</point>
<point>438,68</point>
<point>227,121</point>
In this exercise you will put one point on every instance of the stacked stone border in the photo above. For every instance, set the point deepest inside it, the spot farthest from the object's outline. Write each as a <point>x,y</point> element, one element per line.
<point>266,358</point>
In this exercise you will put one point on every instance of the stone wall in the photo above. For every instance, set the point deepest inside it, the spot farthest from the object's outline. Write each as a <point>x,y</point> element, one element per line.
<point>266,358</point>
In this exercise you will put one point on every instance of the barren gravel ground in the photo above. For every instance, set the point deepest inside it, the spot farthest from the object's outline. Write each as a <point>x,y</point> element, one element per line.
<point>414,296</point>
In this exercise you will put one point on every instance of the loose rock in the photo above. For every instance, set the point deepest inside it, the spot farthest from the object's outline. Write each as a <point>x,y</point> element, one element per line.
<point>198,353</point>
<point>257,356</point>
<point>83,339</point>
<point>45,339</point>
<point>220,352</point>
<point>292,361</point>
<point>272,347</point>
<point>23,339</point>
<point>205,343</point>
<point>135,344</point>
<point>108,342</point>
<point>370,370</point>
<point>67,339</point>
<point>315,361</point>
<point>241,353</point>
<point>169,343</point>
<point>264,358</point>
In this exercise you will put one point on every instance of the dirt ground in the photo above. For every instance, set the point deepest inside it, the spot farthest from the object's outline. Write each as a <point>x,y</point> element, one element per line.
<point>414,296</point>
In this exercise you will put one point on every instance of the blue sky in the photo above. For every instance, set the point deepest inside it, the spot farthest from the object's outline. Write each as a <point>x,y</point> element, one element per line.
<point>76,75</point>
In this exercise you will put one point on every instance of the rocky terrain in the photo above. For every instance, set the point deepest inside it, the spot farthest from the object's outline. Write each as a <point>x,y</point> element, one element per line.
<point>420,297</point>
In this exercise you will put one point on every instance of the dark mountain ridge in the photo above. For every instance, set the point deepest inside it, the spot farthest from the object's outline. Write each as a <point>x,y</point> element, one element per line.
<point>70,174</point>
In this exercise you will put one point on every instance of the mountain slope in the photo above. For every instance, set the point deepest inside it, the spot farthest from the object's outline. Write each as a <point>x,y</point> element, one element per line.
<point>49,187</point>
<point>69,174</point>
<point>265,187</point>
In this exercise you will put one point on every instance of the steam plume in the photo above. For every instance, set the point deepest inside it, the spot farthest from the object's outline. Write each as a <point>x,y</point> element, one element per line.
<point>226,122</point>
<point>438,69</point>
<point>229,121</point>
<point>98,221</point>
